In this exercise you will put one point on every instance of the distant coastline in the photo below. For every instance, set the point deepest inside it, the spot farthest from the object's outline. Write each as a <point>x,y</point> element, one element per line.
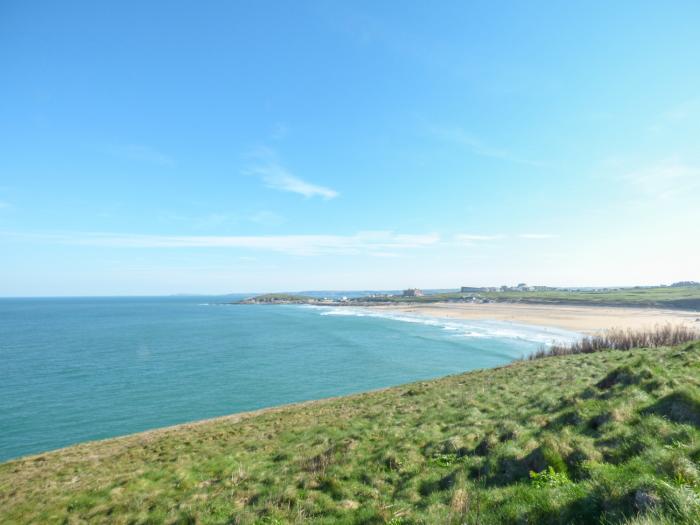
<point>581,310</point>
<point>678,296</point>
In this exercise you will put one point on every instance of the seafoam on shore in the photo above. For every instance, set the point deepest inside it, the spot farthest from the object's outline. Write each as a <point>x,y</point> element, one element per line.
<point>493,329</point>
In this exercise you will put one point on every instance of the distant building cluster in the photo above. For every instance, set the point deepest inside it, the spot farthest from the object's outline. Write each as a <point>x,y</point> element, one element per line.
<point>520,287</point>
<point>685,284</point>
<point>477,289</point>
<point>474,293</point>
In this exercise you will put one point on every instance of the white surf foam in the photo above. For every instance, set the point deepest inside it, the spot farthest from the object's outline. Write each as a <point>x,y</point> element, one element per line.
<point>464,328</point>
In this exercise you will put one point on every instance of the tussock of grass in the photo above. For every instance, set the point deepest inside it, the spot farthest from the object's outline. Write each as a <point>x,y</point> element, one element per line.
<point>606,437</point>
<point>666,335</point>
<point>681,406</point>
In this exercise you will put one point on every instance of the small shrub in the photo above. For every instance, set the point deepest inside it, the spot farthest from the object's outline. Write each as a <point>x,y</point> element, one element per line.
<point>549,478</point>
<point>444,460</point>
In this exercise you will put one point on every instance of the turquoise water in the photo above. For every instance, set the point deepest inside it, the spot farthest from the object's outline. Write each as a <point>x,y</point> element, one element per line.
<point>80,369</point>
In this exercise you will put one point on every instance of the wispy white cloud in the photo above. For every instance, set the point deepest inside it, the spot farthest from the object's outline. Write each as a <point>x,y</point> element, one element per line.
<point>369,242</point>
<point>675,117</point>
<point>277,177</point>
<point>467,238</point>
<point>470,239</point>
<point>479,147</point>
<point>385,255</point>
<point>685,110</point>
<point>379,243</point>
<point>207,221</point>
<point>267,218</point>
<point>665,179</point>
<point>142,153</point>
<point>218,219</point>
<point>538,236</point>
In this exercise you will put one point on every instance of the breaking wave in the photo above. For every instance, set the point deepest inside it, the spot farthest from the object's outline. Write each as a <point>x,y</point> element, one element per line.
<point>465,327</point>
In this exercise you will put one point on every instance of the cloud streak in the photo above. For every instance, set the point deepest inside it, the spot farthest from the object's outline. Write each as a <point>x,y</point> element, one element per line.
<point>380,243</point>
<point>538,236</point>
<point>278,178</point>
<point>369,242</point>
<point>468,238</point>
<point>275,176</point>
<point>267,218</point>
<point>478,147</point>
<point>665,179</point>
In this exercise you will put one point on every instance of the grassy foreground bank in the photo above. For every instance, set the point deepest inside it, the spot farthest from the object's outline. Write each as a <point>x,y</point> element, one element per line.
<point>614,436</point>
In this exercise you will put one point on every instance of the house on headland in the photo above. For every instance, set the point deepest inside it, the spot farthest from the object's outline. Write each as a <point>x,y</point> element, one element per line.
<point>413,292</point>
<point>478,289</point>
<point>521,287</point>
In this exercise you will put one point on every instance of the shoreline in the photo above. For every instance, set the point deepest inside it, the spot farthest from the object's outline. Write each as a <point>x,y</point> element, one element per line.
<point>587,320</point>
<point>142,437</point>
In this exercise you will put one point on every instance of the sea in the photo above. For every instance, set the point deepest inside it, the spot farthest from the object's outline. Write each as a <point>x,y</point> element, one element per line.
<point>80,369</point>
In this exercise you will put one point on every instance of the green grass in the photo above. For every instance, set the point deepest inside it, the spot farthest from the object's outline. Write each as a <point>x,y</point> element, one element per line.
<point>280,297</point>
<point>687,297</point>
<point>608,437</point>
<point>668,297</point>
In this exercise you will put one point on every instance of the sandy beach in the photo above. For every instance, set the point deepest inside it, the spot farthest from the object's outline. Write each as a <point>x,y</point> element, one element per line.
<point>582,319</point>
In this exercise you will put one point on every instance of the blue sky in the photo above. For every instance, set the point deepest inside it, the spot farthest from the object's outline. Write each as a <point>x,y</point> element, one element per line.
<point>255,146</point>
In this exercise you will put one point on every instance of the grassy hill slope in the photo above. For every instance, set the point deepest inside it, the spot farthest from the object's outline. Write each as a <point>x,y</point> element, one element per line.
<point>666,297</point>
<point>614,436</point>
<point>279,298</point>
<point>687,297</point>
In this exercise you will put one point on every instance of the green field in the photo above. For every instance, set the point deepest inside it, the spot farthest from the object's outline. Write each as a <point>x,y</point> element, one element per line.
<point>666,297</point>
<point>280,298</point>
<point>614,437</point>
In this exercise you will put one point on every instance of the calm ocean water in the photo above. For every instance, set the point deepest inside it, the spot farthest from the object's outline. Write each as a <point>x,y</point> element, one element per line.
<point>80,369</point>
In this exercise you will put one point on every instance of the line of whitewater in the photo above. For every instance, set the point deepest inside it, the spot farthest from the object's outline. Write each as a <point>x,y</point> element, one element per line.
<point>492,329</point>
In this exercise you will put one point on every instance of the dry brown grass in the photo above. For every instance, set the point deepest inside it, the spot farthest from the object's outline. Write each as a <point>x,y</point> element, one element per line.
<point>617,339</point>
